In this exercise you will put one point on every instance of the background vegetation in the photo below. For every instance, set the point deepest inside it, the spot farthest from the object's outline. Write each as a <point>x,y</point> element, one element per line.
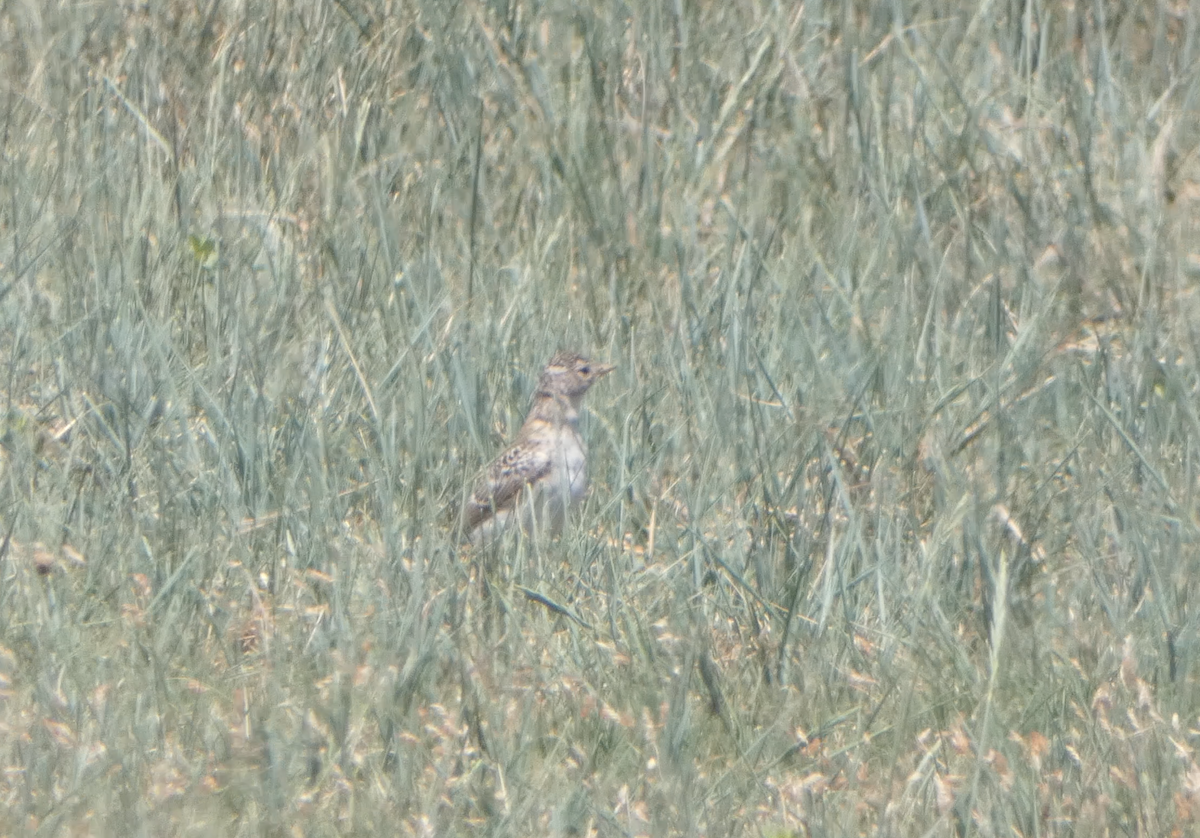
<point>893,527</point>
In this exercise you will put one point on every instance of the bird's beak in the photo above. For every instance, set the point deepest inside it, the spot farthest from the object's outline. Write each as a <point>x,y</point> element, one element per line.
<point>601,370</point>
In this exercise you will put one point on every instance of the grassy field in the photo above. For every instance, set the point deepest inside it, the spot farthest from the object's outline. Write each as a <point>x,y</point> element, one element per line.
<point>893,524</point>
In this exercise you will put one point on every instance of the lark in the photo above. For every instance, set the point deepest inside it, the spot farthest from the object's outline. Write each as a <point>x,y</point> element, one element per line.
<point>544,472</point>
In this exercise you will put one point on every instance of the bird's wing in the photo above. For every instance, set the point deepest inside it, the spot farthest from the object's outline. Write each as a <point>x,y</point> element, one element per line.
<point>511,472</point>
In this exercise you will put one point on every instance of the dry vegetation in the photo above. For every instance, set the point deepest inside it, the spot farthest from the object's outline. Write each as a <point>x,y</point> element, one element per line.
<point>893,528</point>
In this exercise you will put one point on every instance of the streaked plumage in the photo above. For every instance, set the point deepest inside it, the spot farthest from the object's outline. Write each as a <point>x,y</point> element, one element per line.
<point>543,472</point>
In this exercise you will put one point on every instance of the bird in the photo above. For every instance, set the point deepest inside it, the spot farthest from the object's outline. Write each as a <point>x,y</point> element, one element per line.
<point>537,478</point>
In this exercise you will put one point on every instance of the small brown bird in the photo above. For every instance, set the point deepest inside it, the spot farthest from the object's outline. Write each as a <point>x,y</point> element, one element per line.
<point>544,471</point>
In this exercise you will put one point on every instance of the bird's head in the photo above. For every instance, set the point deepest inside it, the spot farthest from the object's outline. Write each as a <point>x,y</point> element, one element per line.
<point>571,375</point>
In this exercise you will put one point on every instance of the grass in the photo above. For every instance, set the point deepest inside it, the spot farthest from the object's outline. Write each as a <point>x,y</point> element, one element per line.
<point>893,520</point>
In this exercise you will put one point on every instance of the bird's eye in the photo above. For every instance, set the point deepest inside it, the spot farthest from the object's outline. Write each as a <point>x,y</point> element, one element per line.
<point>585,369</point>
